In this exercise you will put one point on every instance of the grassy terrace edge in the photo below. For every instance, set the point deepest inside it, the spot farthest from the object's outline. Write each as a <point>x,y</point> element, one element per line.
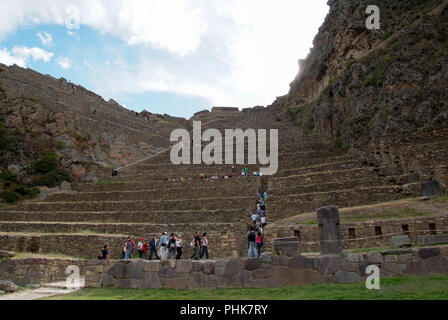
<point>408,288</point>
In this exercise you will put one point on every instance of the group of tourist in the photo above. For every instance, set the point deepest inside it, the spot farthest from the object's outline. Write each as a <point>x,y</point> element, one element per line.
<point>164,248</point>
<point>255,235</point>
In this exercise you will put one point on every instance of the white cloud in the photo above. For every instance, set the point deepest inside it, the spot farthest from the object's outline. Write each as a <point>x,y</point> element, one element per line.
<point>73,34</point>
<point>9,59</point>
<point>64,63</point>
<point>231,52</point>
<point>45,38</point>
<point>20,55</point>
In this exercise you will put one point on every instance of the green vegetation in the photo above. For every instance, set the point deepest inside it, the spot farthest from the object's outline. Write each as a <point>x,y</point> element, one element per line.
<point>60,145</point>
<point>107,182</point>
<point>13,190</point>
<point>413,288</point>
<point>49,170</point>
<point>441,199</point>
<point>303,117</point>
<point>81,138</point>
<point>9,140</point>
<point>406,212</point>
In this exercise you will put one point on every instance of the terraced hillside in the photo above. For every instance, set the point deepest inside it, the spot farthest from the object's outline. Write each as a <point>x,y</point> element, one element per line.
<point>363,124</point>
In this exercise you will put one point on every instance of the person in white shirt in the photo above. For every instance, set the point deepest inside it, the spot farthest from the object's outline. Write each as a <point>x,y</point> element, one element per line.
<point>140,247</point>
<point>204,246</point>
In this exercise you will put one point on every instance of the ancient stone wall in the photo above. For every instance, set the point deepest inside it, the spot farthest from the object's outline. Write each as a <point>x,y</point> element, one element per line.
<point>255,273</point>
<point>368,234</point>
<point>225,240</point>
<point>37,270</point>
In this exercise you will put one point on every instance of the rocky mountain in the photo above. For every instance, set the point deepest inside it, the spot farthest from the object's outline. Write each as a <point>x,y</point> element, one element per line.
<point>89,135</point>
<point>357,83</point>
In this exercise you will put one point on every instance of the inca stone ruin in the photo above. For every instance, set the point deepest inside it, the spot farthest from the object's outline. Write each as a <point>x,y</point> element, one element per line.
<point>363,158</point>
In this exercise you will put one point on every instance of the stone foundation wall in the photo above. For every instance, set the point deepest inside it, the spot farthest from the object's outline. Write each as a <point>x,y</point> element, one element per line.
<point>365,232</point>
<point>37,270</point>
<point>219,216</point>
<point>269,272</point>
<point>279,207</point>
<point>223,243</point>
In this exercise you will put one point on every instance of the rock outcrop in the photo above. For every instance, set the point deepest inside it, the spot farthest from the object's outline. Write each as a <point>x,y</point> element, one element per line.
<point>83,129</point>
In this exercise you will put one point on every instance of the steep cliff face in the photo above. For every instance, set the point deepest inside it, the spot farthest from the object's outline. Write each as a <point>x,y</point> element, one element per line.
<point>357,83</point>
<point>87,133</point>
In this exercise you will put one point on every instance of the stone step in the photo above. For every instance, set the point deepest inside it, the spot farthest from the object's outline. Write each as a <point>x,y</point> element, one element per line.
<point>333,186</point>
<point>110,185</point>
<point>215,190</point>
<point>145,230</point>
<point>140,205</point>
<point>323,167</point>
<point>323,177</point>
<point>159,217</point>
<point>279,207</point>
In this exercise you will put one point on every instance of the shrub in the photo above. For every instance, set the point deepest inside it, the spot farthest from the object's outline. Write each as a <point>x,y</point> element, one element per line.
<point>8,141</point>
<point>25,191</point>
<point>52,178</point>
<point>47,162</point>
<point>60,145</point>
<point>8,178</point>
<point>10,196</point>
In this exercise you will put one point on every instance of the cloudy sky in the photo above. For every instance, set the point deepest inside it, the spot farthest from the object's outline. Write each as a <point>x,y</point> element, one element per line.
<point>176,57</point>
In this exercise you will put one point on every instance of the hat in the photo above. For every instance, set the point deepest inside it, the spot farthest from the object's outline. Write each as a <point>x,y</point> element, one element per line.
<point>140,239</point>
<point>165,233</point>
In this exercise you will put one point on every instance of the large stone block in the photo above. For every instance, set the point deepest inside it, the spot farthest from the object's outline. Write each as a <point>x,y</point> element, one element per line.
<point>122,283</point>
<point>391,258</point>
<point>151,266</point>
<point>347,277</point>
<point>280,260</point>
<point>260,274</point>
<point>119,271</point>
<point>329,264</point>
<point>135,271</point>
<point>426,253</point>
<point>197,280</point>
<point>301,262</point>
<point>329,230</point>
<point>350,266</point>
<point>150,281</point>
<point>108,281</point>
<point>184,266</point>
<point>400,241</point>
<point>416,267</point>
<point>430,240</point>
<point>220,267</point>
<point>168,272</point>
<point>305,277</point>
<point>437,265</point>
<point>279,277</point>
<point>266,258</point>
<point>197,266</point>
<point>289,246</point>
<point>374,257</point>
<point>253,264</point>
<point>209,267</point>
<point>390,267</point>
<point>234,265</point>
<point>174,283</point>
<point>354,257</point>
<point>211,281</point>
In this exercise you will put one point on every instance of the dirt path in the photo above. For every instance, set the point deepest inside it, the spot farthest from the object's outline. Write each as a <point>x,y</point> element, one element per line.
<point>47,290</point>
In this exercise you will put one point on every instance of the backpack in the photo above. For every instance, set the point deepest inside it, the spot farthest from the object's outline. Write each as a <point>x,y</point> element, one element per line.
<point>251,237</point>
<point>172,243</point>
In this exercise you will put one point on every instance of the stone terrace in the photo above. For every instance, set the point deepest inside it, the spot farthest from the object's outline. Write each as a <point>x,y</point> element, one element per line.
<point>139,202</point>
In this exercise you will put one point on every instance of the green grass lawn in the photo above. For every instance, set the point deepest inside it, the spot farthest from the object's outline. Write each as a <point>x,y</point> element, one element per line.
<point>413,288</point>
